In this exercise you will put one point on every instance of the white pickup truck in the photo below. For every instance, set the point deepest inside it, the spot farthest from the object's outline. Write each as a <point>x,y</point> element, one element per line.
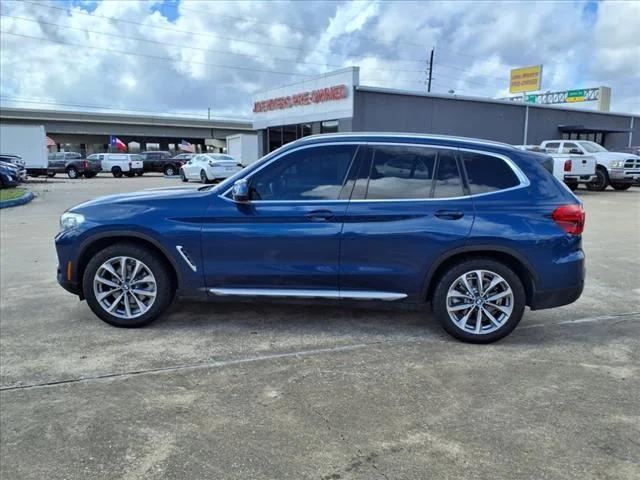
<point>568,167</point>
<point>617,169</point>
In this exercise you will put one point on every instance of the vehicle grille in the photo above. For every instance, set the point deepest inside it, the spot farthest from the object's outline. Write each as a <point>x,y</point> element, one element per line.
<point>632,163</point>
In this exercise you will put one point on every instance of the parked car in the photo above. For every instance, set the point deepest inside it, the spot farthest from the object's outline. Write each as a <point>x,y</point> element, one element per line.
<point>477,229</point>
<point>9,175</point>
<point>208,167</point>
<point>617,169</point>
<point>17,162</point>
<point>120,164</point>
<point>73,165</point>
<point>568,166</point>
<point>184,157</point>
<point>160,161</point>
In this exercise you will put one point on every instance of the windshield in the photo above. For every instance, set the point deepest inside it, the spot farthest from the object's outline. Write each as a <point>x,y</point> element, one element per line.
<point>593,147</point>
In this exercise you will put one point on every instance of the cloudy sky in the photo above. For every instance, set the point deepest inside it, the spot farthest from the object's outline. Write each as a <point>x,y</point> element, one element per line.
<point>184,56</point>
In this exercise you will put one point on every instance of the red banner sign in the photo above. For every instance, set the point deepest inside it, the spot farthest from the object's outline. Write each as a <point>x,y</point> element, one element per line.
<point>321,95</point>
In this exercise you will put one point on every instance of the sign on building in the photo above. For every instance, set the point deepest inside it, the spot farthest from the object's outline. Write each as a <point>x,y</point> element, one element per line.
<point>526,79</point>
<point>324,97</point>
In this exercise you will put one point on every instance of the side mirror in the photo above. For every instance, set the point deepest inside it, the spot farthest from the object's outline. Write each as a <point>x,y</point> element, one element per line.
<point>575,151</point>
<point>240,191</point>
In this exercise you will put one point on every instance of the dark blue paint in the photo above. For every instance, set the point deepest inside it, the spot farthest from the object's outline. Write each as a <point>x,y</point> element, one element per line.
<point>358,245</point>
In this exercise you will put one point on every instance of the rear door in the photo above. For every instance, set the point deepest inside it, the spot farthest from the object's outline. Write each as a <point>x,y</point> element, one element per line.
<point>408,206</point>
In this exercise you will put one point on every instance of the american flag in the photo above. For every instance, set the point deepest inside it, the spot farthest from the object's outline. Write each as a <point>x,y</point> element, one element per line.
<point>186,146</point>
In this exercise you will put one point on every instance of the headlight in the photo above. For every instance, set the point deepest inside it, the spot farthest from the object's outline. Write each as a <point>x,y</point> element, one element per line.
<point>617,164</point>
<point>69,220</point>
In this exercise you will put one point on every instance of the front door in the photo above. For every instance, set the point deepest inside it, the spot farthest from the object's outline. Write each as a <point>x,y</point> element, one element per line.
<point>285,240</point>
<point>408,206</point>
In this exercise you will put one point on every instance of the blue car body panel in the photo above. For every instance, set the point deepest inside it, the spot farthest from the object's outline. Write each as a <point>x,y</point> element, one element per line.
<point>391,246</point>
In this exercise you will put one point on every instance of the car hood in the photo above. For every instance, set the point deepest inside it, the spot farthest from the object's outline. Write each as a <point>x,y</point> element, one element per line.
<point>141,197</point>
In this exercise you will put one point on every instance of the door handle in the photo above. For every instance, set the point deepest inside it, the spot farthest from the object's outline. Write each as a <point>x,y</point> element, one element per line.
<point>320,215</point>
<point>449,214</point>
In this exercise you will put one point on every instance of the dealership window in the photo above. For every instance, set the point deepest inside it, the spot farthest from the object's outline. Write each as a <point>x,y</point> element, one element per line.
<point>278,136</point>
<point>308,174</point>
<point>330,126</point>
<point>487,173</point>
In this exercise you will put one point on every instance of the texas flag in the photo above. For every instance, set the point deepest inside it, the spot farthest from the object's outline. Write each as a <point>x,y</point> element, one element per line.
<point>118,144</point>
<point>186,146</point>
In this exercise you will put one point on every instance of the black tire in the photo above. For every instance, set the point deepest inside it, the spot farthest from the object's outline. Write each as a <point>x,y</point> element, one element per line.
<point>600,184</point>
<point>621,186</point>
<point>72,172</point>
<point>164,287</point>
<point>183,177</point>
<point>203,176</point>
<point>130,174</point>
<point>90,174</point>
<point>573,186</point>
<point>139,174</point>
<point>169,170</point>
<point>116,172</point>
<point>51,174</point>
<point>450,277</point>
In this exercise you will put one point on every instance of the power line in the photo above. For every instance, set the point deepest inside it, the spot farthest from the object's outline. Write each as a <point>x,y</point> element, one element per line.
<point>103,107</point>
<point>204,34</point>
<point>156,57</point>
<point>139,39</point>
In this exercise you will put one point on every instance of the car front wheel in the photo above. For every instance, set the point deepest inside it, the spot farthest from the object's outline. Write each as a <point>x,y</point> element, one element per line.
<point>183,177</point>
<point>479,301</point>
<point>621,186</point>
<point>169,170</point>
<point>127,285</point>
<point>72,172</point>
<point>601,181</point>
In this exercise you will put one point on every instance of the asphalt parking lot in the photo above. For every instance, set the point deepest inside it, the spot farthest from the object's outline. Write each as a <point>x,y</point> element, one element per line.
<point>258,391</point>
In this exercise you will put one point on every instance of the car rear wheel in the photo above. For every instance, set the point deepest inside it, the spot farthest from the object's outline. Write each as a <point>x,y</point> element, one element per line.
<point>127,285</point>
<point>169,170</point>
<point>601,181</point>
<point>573,186</point>
<point>139,174</point>
<point>130,174</point>
<point>116,172</point>
<point>72,172</point>
<point>51,174</point>
<point>203,177</point>
<point>621,186</point>
<point>479,301</point>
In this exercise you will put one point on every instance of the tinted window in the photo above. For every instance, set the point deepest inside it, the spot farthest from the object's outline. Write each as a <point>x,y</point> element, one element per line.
<point>552,147</point>
<point>400,172</point>
<point>567,147</point>
<point>486,173</point>
<point>448,179</point>
<point>308,174</point>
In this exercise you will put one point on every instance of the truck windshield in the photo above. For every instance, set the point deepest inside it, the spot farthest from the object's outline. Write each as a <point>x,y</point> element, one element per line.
<point>593,147</point>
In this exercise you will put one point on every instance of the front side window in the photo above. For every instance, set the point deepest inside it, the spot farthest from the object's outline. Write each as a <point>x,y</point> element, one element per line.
<point>401,172</point>
<point>592,147</point>
<point>486,173</point>
<point>315,173</point>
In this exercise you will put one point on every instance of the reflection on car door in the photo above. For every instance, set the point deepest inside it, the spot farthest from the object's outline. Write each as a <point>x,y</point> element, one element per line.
<point>408,206</point>
<point>287,236</point>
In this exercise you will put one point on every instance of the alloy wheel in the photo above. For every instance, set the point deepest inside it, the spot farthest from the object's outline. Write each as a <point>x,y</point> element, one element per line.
<point>480,302</point>
<point>125,287</point>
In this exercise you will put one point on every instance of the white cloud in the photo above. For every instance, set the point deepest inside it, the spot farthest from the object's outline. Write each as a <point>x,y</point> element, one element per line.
<point>581,44</point>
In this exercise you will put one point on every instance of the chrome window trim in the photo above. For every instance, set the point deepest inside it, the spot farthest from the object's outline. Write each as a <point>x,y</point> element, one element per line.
<point>522,178</point>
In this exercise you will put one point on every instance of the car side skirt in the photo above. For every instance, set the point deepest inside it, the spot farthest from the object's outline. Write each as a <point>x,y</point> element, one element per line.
<point>295,293</point>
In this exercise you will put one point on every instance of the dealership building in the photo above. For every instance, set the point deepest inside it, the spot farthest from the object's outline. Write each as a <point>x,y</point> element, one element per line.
<point>336,102</point>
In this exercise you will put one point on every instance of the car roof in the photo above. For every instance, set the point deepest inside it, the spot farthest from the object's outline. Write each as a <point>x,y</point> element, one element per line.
<point>431,139</point>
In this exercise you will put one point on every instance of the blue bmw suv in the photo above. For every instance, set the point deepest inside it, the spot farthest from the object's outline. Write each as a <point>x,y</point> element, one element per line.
<point>477,230</point>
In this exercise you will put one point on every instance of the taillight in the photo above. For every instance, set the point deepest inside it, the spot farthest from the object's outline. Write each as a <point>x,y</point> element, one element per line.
<point>570,218</point>
<point>567,165</point>
<point>85,164</point>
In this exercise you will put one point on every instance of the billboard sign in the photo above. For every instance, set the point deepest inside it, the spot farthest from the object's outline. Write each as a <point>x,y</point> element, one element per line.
<point>526,79</point>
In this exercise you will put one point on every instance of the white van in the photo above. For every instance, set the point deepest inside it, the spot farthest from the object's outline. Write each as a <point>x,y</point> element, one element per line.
<point>119,164</point>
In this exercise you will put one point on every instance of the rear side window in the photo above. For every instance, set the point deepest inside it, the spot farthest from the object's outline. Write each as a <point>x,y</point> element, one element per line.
<point>401,172</point>
<point>316,173</point>
<point>552,147</point>
<point>448,179</point>
<point>486,173</point>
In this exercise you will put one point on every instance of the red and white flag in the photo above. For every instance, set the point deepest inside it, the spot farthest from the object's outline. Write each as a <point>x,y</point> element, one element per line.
<point>118,144</point>
<point>51,142</point>
<point>186,147</point>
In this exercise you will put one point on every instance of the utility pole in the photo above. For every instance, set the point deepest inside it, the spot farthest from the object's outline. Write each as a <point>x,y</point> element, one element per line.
<point>430,73</point>
<point>209,113</point>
